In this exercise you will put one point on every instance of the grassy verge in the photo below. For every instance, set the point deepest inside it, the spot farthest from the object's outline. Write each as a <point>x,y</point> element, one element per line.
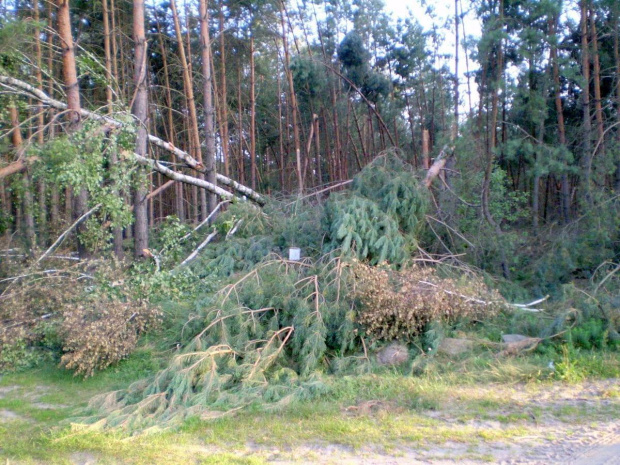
<point>470,401</point>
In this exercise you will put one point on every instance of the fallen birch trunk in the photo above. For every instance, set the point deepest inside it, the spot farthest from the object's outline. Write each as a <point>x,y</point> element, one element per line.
<point>191,162</point>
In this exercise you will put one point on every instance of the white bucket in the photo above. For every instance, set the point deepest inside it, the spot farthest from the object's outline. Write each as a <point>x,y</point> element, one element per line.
<point>294,254</point>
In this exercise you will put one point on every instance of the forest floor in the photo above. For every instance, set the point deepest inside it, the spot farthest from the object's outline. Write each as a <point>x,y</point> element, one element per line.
<point>501,412</point>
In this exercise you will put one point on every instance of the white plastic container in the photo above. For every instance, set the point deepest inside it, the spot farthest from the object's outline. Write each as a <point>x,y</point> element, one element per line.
<point>294,254</point>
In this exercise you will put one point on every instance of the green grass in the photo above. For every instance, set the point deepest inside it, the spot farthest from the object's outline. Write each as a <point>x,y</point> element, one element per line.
<point>387,411</point>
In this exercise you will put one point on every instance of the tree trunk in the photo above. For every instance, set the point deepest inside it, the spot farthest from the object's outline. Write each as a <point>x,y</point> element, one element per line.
<point>565,188</point>
<point>587,122</point>
<point>117,231</point>
<point>455,129</point>
<point>178,188</point>
<point>617,82</point>
<point>189,96</point>
<point>224,93</point>
<point>209,108</point>
<point>596,80</point>
<point>55,195</point>
<point>139,110</point>
<point>72,90</point>
<point>41,186</point>
<point>253,167</point>
<point>486,185</point>
<point>289,75</point>
<point>28,213</point>
<point>280,131</point>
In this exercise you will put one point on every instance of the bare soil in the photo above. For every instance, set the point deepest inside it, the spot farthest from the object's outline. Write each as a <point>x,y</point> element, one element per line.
<point>562,424</point>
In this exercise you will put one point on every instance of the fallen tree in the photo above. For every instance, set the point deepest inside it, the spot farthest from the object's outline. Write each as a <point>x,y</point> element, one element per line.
<point>31,91</point>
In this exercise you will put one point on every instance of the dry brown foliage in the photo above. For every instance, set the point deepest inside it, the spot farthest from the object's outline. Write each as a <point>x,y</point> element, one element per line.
<point>99,333</point>
<point>77,311</point>
<point>399,304</point>
<point>25,311</point>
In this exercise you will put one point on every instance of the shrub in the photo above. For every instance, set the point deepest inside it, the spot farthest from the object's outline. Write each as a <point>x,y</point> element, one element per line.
<point>103,332</point>
<point>400,304</point>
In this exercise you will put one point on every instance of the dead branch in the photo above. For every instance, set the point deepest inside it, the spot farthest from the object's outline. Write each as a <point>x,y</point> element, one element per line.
<point>207,219</point>
<point>15,167</point>
<point>198,249</point>
<point>66,233</point>
<point>438,165</point>
<point>234,229</point>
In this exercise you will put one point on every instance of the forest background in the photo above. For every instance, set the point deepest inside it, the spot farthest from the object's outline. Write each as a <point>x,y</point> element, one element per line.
<point>158,160</point>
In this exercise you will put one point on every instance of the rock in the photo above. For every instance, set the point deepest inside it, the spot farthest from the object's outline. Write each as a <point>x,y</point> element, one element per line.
<point>394,354</point>
<point>452,347</point>
<point>517,346</point>
<point>510,338</point>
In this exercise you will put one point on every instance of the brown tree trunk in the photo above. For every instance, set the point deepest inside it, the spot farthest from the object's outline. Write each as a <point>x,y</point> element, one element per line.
<point>178,188</point>
<point>72,90</point>
<point>117,231</point>
<point>617,61</point>
<point>114,44</point>
<point>587,122</point>
<point>426,150</point>
<point>107,54</point>
<point>455,128</point>
<point>28,204</point>
<point>280,131</point>
<point>240,160</point>
<point>224,93</point>
<point>54,195</point>
<point>253,167</point>
<point>486,184</point>
<point>596,78</point>
<point>41,186</point>
<point>293,99</point>
<point>209,108</point>
<point>189,96</point>
<point>140,110</point>
<point>565,189</point>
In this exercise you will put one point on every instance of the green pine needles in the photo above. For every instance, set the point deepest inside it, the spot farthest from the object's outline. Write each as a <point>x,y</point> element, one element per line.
<point>264,338</point>
<point>271,333</point>
<point>380,220</point>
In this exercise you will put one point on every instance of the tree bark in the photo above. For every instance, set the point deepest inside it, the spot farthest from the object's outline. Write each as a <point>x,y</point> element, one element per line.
<point>209,108</point>
<point>41,185</point>
<point>189,95</point>
<point>139,110</point>
<point>253,168</point>
<point>178,188</point>
<point>293,98</point>
<point>587,122</point>
<point>54,195</point>
<point>617,82</point>
<point>596,80</point>
<point>117,231</point>
<point>565,188</point>
<point>224,94</point>
<point>72,91</point>
<point>28,204</point>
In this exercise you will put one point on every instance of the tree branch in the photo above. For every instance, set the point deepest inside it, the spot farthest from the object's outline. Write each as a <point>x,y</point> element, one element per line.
<point>191,162</point>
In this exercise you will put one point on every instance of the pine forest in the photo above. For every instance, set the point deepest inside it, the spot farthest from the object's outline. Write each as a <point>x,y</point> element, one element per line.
<point>243,207</point>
